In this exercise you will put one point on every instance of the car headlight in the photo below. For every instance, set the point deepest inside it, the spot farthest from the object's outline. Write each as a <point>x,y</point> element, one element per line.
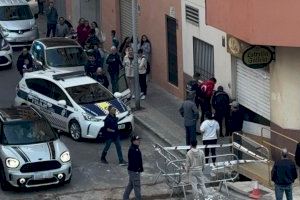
<point>5,46</point>
<point>65,156</point>
<point>90,118</point>
<point>12,163</point>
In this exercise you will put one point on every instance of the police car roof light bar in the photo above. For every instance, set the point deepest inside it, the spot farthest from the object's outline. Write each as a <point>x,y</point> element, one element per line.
<point>68,75</point>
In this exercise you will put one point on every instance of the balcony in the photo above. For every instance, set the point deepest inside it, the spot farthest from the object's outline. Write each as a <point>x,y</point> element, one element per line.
<point>260,22</point>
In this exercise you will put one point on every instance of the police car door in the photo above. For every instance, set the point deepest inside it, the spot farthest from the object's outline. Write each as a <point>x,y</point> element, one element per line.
<point>61,112</point>
<point>123,87</point>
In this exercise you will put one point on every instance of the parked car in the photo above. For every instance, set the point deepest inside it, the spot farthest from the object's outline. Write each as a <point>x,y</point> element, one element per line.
<point>33,5</point>
<point>58,54</point>
<point>31,153</point>
<point>5,53</point>
<point>17,22</point>
<point>73,102</point>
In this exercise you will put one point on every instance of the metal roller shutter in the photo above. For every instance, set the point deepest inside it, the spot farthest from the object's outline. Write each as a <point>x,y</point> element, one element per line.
<point>126,18</point>
<point>253,89</point>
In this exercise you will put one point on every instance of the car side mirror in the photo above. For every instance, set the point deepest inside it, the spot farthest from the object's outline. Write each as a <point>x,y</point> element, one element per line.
<point>36,16</point>
<point>118,95</point>
<point>62,103</point>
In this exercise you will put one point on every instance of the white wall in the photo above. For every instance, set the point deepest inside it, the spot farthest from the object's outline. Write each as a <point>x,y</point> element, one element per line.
<point>285,92</point>
<point>213,36</point>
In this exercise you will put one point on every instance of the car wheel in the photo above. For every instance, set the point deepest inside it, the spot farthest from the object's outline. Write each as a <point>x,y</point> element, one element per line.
<point>5,186</point>
<point>75,130</point>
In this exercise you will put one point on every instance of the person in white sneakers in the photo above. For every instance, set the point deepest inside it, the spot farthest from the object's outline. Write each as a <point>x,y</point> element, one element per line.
<point>142,63</point>
<point>194,168</point>
<point>210,129</point>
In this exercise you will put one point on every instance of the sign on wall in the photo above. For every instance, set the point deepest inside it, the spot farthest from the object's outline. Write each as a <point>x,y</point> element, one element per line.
<point>257,57</point>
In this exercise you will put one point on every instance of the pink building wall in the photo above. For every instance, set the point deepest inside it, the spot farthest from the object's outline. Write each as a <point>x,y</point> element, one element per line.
<point>264,22</point>
<point>152,22</point>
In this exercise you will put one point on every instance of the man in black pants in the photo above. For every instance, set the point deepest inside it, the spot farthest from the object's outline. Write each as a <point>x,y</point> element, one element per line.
<point>135,168</point>
<point>52,17</point>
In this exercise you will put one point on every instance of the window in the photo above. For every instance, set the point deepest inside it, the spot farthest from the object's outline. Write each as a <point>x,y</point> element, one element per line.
<point>203,59</point>
<point>58,94</point>
<point>13,13</point>
<point>192,15</point>
<point>39,85</point>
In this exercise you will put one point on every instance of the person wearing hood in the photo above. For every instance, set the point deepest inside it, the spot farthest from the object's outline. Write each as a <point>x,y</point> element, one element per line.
<point>194,168</point>
<point>210,128</point>
<point>190,113</point>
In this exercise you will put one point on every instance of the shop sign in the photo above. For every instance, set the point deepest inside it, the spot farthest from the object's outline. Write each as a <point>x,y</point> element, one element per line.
<point>257,57</point>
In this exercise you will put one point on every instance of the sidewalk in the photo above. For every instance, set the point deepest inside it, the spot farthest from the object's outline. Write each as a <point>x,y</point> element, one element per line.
<point>160,116</point>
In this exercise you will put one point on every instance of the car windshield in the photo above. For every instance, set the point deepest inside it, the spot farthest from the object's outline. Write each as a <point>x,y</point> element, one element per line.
<point>89,93</point>
<point>12,13</point>
<point>27,132</point>
<point>66,57</point>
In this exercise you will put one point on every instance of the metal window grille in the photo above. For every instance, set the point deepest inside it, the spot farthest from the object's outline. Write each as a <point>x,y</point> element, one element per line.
<point>192,15</point>
<point>203,59</point>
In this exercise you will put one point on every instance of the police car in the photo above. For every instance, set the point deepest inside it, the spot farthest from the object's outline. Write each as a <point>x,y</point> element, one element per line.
<point>73,102</point>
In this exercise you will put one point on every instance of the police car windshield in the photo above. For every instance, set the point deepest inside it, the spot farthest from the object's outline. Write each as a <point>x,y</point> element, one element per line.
<point>12,13</point>
<point>27,132</point>
<point>89,93</point>
<point>66,57</point>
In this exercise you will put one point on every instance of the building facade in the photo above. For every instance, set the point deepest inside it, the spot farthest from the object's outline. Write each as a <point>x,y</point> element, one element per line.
<point>272,97</point>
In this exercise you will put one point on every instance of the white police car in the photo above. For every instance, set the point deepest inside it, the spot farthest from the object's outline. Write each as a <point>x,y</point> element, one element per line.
<point>73,102</point>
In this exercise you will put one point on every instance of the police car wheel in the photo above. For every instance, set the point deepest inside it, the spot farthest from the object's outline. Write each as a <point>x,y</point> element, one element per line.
<point>75,130</point>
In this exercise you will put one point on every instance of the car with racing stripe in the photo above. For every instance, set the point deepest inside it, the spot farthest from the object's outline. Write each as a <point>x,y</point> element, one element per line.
<point>31,153</point>
<point>74,103</point>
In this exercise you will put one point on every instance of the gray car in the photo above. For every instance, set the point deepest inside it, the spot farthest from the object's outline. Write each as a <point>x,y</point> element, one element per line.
<point>18,23</point>
<point>31,153</point>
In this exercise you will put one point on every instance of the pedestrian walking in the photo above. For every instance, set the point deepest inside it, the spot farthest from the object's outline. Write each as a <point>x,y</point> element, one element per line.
<point>146,46</point>
<point>111,135</point>
<point>114,64</point>
<point>115,40</point>
<point>284,174</point>
<point>41,6</point>
<point>62,29</point>
<point>101,77</point>
<point>52,17</point>
<point>142,63</point>
<point>220,102</point>
<point>22,65</point>
<point>190,113</point>
<point>135,168</point>
<point>203,95</point>
<point>194,168</point>
<point>129,70</point>
<point>92,40</point>
<point>83,31</point>
<point>210,128</point>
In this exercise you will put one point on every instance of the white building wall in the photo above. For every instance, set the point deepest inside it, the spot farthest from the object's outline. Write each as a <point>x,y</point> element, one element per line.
<point>213,36</point>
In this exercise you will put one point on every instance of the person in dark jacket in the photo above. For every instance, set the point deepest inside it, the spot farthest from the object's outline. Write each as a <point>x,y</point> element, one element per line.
<point>114,65</point>
<point>25,55</point>
<point>92,39</point>
<point>101,77</point>
<point>41,6</point>
<point>236,118</point>
<point>52,17</point>
<point>297,155</point>
<point>220,102</point>
<point>135,168</point>
<point>111,134</point>
<point>190,113</point>
<point>91,66</point>
<point>284,173</point>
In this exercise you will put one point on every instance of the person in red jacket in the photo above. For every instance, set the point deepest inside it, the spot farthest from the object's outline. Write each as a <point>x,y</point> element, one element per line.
<point>83,32</point>
<point>204,93</point>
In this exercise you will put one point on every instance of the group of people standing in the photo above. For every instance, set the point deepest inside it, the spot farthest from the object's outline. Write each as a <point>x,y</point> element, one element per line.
<point>202,94</point>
